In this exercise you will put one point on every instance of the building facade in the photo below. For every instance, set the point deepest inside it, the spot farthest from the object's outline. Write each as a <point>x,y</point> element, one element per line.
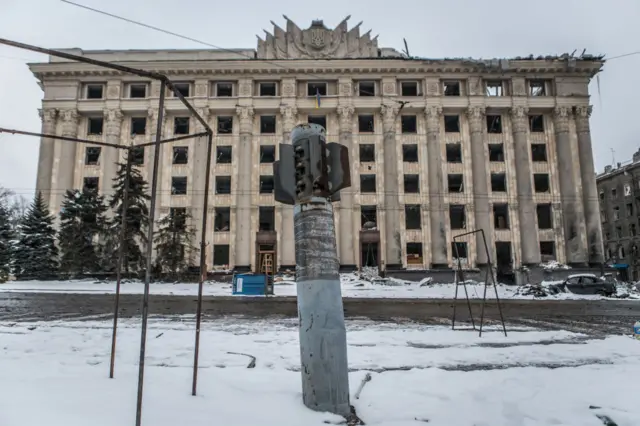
<point>619,192</point>
<point>438,147</point>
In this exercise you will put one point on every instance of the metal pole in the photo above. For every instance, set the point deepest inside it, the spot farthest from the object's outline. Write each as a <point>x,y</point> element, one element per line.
<point>147,278</point>
<point>203,264</point>
<point>62,138</point>
<point>123,226</point>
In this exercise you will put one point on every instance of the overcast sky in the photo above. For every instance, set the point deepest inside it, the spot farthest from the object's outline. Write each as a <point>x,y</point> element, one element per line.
<point>433,28</point>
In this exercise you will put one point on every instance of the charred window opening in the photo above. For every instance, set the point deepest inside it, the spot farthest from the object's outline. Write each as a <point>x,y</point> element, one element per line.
<point>225,125</point>
<point>221,255</point>
<point>95,91</point>
<point>408,123</point>
<point>266,184</point>
<point>541,182</point>
<point>267,124</point>
<point>365,123</point>
<point>545,218</point>
<point>409,88</point>
<point>412,216</point>
<point>414,253</point>
<point>454,153</point>
<point>494,88</point>
<point>496,152</point>
<point>366,88</point>
<point>224,90</point>
<point>614,193</point>
<point>411,184</point>
<point>410,153</point>
<point>601,195</point>
<point>536,123</point>
<point>494,124</point>
<point>537,88</point>
<point>92,155</point>
<point>367,153</point>
<point>459,250</point>
<point>498,182</point>
<point>223,154</point>
<point>138,91</point>
<point>501,216</point>
<point>182,88</point>
<point>180,154</point>
<point>368,183</point>
<point>547,250</point>
<point>457,216</point>
<point>632,229</point>
<point>539,152</point>
<point>267,218</point>
<point>455,183</point>
<point>137,155</point>
<point>95,125</point>
<point>181,126</point>
<point>267,89</point>
<point>616,213</point>
<point>318,119</point>
<point>223,184</point>
<point>629,209</point>
<point>619,232</point>
<point>138,125</point>
<point>452,123</point>
<point>368,217</point>
<point>267,154</point>
<point>222,221</point>
<point>178,185</point>
<point>451,88</point>
<point>314,89</point>
<point>90,184</point>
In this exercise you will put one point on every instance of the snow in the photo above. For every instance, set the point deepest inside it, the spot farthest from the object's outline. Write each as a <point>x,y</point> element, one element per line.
<point>55,374</point>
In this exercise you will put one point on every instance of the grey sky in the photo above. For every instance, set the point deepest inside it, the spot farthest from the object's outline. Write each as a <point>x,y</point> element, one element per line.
<point>433,28</point>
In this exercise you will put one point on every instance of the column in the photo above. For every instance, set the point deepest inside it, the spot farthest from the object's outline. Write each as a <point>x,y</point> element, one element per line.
<point>287,249</point>
<point>67,166</point>
<point>589,188</point>
<point>393,252</point>
<point>530,249</point>
<point>482,214</point>
<point>110,158</point>
<point>244,190</point>
<point>347,233</point>
<point>575,250</point>
<point>198,173</point>
<point>436,204</point>
<point>49,117</point>
<point>152,127</point>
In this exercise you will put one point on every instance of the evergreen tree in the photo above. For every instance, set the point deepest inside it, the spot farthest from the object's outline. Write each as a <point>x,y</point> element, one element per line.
<point>6,242</point>
<point>174,249</point>
<point>82,220</point>
<point>36,251</point>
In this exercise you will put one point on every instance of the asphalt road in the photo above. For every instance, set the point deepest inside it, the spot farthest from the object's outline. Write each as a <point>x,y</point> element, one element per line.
<point>592,317</point>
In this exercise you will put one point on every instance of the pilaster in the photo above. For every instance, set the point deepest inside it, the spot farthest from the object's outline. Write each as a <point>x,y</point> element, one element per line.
<point>113,127</point>
<point>243,248</point>
<point>439,257</point>
<point>44,184</point>
<point>66,166</point>
<point>286,237</point>
<point>392,241</point>
<point>348,233</point>
<point>198,168</point>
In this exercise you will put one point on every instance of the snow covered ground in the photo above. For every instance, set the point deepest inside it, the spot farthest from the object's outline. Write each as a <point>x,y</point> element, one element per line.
<point>55,374</point>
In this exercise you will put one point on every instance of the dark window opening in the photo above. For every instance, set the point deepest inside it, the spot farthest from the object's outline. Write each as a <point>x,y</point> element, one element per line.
<point>454,153</point>
<point>501,216</point>
<point>181,126</point>
<point>459,250</point>
<point>138,125</point>
<point>545,218</point>
<point>455,183</point>
<point>411,184</point>
<point>180,154</point>
<point>408,123</point>
<point>223,154</point>
<point>547,250</point>
<point>410,153</point>
<point>138,91</point>
<point>222,221</point>
<point>318,119</point>
<point>457,216</point>
<point>494,88</point>
<point>225,125</point>
<point>267,218</point>
<point>537,88</point>
<point>536,123</point>
<point>267,153</point>
<point>539,152</point>
<point>616,213</point>
<point>412,216</point>
<point>91,184</point>
<point>221,254</point>
<point>367,183</point>
<point>224,90</point>
<point>541,182</point>
<point>452,123</point>
<point>267,124</point>
<point>95,125</point>
<point>314,89</point>
<point>409,88</point>
<point>498,182</point>
<point>95,91</point>
<point>414,253</point>
<point>494,124</point>
<point>614,193</point>
<point>267,89</point>
<point>182,88</point>
<point>365,124</point>
<point>629,209</point>
<point>366,88</point>
<point>179,215</point>
<point>178,185</point>
<point>92,155</point>
<point>223,184</point>
<point>632,229</point>
<point>452,88</point>
<point>368,217</point>
<point>496,152</point>
<point>367,153</point>
<point>266,184</point>
<point>619,232</point>
<point>137,155</point>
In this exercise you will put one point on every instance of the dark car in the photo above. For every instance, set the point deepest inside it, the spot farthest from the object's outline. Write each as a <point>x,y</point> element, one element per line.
<point>588,284</point>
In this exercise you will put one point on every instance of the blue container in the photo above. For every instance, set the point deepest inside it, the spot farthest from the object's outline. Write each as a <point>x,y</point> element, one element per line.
<point>249,284</point>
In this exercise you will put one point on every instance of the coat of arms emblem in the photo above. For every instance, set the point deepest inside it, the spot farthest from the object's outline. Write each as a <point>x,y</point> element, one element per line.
<point>317,37</point>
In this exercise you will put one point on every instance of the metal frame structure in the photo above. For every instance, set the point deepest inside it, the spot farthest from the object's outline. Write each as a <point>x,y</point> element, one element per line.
<point>488,281</point>
<point>166,83</point>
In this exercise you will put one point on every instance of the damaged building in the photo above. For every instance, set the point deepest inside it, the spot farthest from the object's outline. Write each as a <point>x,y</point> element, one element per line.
<point>438,147</point>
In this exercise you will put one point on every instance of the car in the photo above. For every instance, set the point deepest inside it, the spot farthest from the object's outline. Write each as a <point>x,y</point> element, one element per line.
<point>588,284</point>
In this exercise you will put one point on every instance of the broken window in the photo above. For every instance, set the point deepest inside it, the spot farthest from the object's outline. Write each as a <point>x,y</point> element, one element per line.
<point>266,218</point>
<point>494,88</point>
<point>314,89</point>
<point>180,154</point>
<point>614,193</point>
<point>632,229</point>
<point>536,123</point>
<point>537,88</point>
<point>616,213</point>
<point>412,216</point>
<point>267,124</point>
<point>182,88</point>
<point>601,196</point>
<point>223,184</point>
<point>365,123</point>
<point>409,88</point>
<point>618,232</point>
<point>318,119</point>
<point>95,91</point>
<point>267,89</point>
<point>181,126</point>
<point>92,155</point>
<point>629,209</point>
<point>459,250</point>
<point>539,152</point>
<point>222,220</point>
<point>410,153</point>
<point>452,123</point>
<point>498,182</point>
<point>494,124</point>
<point>627,190</point>
<point>223,154</point>
<point>138,125</point>
<point>547,250</point>
<point>95,125</point>
<point>267,154</point>
<point>545,218</point>
<point>455,183</point>
<point>366,88</point>
<point>451,88</point>
<point>457,216</point>
<point>411,184</point>
<point>368,217</point>
<point>367,153</point>
<point>178,185</point>
<point>91,184</point>
<point>266,184</point>
<point>224,89</point>
<point>414,254</point>
<point>501,216</point>
<point>408,123</point>
<point>496,152</point>
<point>454,153</point>
<point>221,255</point>
<point>541,182</point>
<point>137,155</point>
<point>225,125</point>
<point>367,183</point>
<point>138,91</point>
<point>179,215</point>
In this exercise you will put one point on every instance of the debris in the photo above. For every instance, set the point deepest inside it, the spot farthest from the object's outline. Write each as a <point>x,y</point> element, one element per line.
<point>251,364</point>
<point>367,378</point>
<point>606,420</point>
<point>31,328</point>
<point>159,335</point>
